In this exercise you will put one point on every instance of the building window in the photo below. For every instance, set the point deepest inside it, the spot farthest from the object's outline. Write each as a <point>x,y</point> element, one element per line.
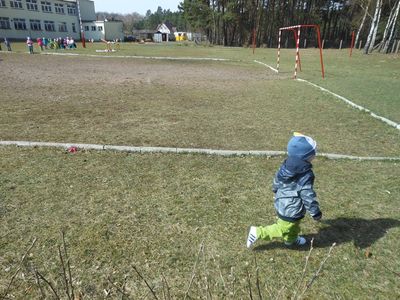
<point>46,6</point>
<point>19,24</point>
<point>35,25</point>
<point>100,28</point>
<point>71,9</point>
<point>49,26</point>
<point>62,27</point>
<point>93,28</point>
<point>73,27</point>
<point>16,4</point>
<point>32,5</point>
<point>2,3</point>
<point>86,28</point>
<point>5,23</point>
<point>59,8</point>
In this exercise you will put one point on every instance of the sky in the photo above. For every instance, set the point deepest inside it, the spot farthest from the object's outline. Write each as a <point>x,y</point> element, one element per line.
<point>130,6</point>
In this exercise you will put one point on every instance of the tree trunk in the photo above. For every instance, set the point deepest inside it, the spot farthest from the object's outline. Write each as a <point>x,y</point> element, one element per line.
<point>372,45</point>
<point>362,23</point>
<point>374,25</point>
<point>391,36</point>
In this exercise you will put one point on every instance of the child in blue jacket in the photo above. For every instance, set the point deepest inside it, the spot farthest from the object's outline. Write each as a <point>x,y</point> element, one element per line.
<point>294,194</point>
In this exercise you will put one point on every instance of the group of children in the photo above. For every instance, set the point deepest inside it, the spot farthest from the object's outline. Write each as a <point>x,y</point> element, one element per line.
<point>294,195</point>
<point>58,43</point>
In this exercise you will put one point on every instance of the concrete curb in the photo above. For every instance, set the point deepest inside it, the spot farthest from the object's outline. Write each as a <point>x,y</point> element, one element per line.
<point>214,152</point>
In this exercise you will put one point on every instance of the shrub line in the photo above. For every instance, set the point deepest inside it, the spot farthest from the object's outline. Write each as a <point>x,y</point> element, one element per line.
<point>216,152</point>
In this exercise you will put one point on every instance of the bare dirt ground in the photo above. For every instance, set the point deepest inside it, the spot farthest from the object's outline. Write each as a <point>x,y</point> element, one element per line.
<point>175,103</point>
<point>51,70</point>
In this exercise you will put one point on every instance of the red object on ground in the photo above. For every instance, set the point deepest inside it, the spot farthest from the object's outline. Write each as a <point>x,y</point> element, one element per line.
<point>72,149</point>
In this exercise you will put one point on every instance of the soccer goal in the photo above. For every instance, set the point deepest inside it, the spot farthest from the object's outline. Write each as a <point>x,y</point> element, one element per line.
<point>296,29</point>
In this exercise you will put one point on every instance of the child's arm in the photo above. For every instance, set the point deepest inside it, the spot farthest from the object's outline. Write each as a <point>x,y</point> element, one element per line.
<point>275,185</point>
<point>309,198</point>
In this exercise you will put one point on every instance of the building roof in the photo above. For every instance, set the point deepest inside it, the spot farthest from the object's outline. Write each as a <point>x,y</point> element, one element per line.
<point>170,26</point>
<point>166,27</point>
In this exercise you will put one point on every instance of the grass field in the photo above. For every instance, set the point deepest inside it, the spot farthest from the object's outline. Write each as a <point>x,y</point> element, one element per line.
<point>180,221</point>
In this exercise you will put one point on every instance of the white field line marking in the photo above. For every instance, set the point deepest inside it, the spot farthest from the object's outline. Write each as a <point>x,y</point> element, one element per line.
<point>139,57</point>
<point>374,115</point>
<point>352,104</point>
<point>261,63</point>
<point>181,150</point>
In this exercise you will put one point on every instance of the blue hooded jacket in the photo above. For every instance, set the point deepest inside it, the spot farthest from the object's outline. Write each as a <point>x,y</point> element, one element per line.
<point>294,192</point>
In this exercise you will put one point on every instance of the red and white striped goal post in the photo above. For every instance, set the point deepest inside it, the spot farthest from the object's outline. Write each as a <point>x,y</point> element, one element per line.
<point>297,39</point>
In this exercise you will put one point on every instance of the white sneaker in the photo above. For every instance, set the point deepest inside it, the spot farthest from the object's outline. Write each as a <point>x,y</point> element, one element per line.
<point>252,237</point>
<point>300,241</point>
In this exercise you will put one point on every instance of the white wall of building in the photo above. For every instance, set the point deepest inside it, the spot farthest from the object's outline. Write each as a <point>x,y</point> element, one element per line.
<point>107,30</point>
<point>114,30</point>
<point>58,18</point>
<point>87,10</point>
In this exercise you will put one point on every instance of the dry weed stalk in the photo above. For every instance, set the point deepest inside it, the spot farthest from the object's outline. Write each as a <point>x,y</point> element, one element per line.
<point>145,281</point>
<point>49,284</point>
<point>316,274</point>
<point>120,290</point>
<point>64,273</point>
<point>301,279</point>
<point>37,280</point>
<point>249,284</point>
<point>19,268</point>
<point>232,275</point>
<point>68,265</point>
<point>194,269</point>
<point>167,296</point>
<point>257,278</point>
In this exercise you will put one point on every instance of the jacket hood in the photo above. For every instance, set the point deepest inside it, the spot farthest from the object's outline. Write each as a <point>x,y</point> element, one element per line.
<point>292,167</point>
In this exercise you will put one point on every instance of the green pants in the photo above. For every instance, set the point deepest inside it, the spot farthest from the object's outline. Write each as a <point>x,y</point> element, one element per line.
<point>288,231</point>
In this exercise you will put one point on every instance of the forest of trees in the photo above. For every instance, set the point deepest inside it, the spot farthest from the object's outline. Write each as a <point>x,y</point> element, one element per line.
<point>375,23</point>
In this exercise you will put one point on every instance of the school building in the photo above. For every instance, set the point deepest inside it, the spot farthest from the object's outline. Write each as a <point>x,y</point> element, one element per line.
<point>54,18</point>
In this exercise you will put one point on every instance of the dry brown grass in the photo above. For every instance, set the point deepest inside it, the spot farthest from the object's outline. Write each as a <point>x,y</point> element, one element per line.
<point>177,104</point>
<point>147,223</point>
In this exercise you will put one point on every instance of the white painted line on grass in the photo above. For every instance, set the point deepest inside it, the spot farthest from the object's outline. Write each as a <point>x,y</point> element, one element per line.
<point>374,115</point>
<point>268,66</point>
<point>140,57</point>
<point>352,104</point>
<point>183,150</point>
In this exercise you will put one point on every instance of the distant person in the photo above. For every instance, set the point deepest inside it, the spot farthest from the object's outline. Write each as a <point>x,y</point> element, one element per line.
<point>71,43</point>
<point>8,44</point>
<point>293,186</point>
<point>40,43</point>
<point>45,42</point>
<point>59,43</point>
<point>29,43</point>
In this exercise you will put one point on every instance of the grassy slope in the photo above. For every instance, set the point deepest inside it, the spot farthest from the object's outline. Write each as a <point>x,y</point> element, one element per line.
<point>154,211</point>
